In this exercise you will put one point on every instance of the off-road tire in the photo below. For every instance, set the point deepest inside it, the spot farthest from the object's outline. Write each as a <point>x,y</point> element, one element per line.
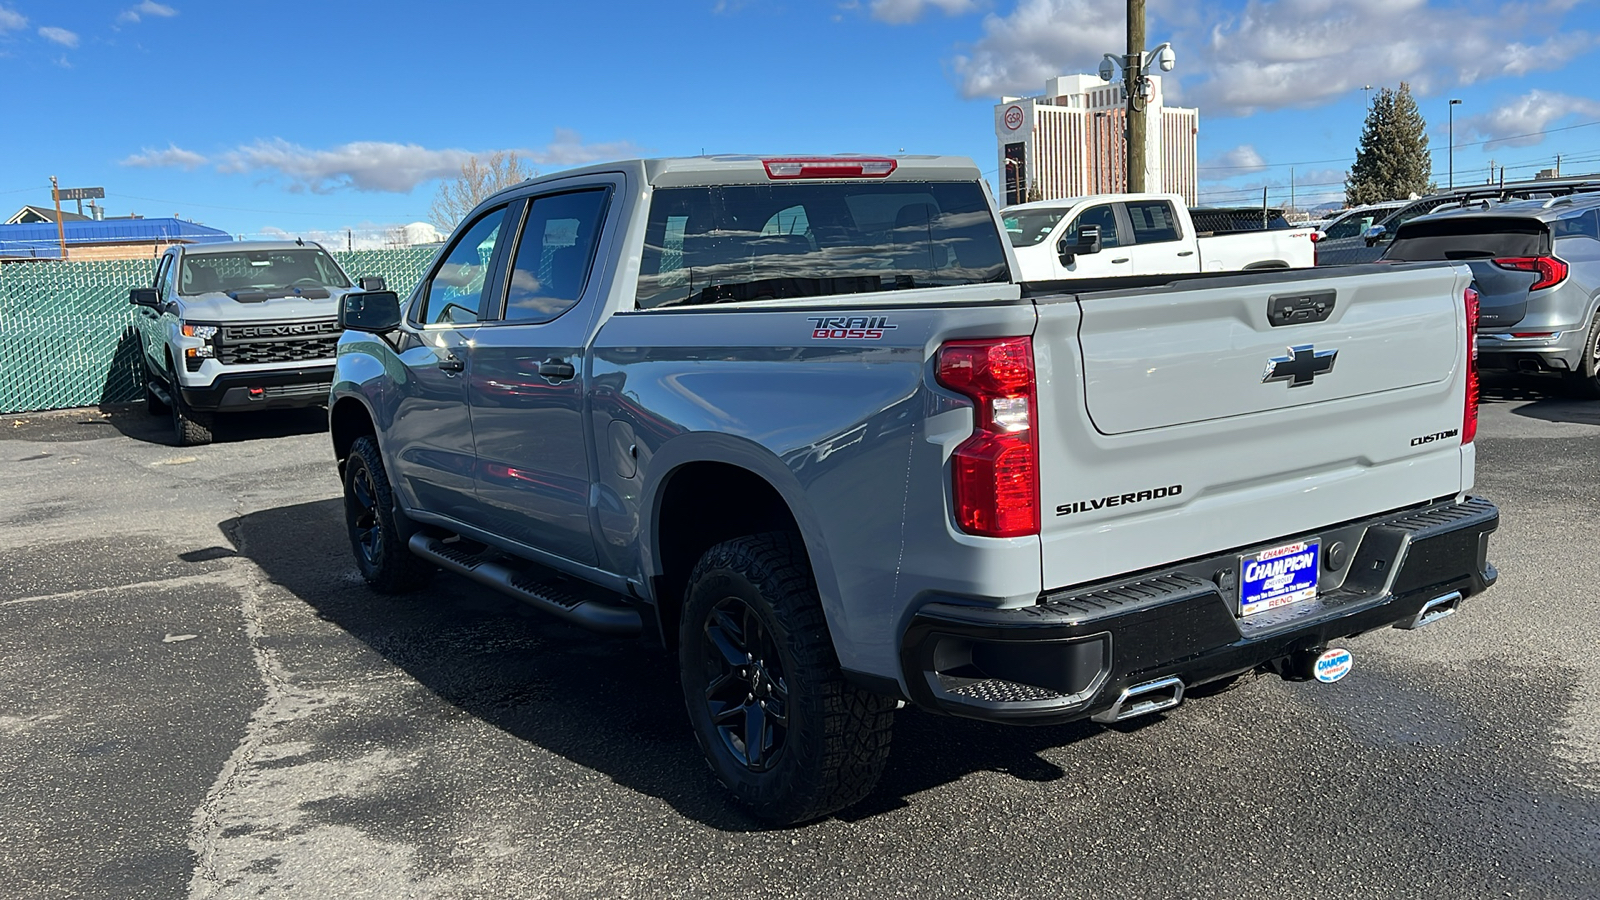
<point>835,738</point>
<point>378,531</point>
<point>190,427</point>
<point>1585,382</point>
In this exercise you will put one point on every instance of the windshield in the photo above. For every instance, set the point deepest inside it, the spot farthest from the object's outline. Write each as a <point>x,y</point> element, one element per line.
<point>723,244</point>
<point>1027,227</point>
<point>253,270</point>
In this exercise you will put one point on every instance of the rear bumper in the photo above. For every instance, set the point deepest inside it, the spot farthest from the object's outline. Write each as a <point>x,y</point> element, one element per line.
<point>1075,652</point>
<point>278,389</point>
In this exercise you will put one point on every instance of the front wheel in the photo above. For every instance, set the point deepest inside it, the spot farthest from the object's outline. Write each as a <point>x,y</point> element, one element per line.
<point>376,533</point>
<point>779,724</point>
<point>1586,381</point>
<point>190,427</point>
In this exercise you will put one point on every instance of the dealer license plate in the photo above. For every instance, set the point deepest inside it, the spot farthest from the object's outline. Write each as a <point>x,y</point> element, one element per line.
<point>1278,577</point>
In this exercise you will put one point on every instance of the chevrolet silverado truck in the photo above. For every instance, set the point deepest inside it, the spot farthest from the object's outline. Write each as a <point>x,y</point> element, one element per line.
<point>796,420</point>
<point>1109,235</point>
<point>234,327</point>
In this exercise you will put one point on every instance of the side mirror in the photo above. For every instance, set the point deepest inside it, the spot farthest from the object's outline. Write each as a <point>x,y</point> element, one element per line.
<point>1088,242</point>
<point>372,283</point>
<point>1374,234</point>
<point>145,297</point>
<point>375,312</point>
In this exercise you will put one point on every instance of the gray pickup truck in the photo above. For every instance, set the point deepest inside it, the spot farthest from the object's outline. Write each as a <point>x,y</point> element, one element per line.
<point>794,419</point>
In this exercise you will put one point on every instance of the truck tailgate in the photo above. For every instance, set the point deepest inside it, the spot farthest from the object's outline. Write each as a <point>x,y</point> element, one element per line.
<point>1180,421</point>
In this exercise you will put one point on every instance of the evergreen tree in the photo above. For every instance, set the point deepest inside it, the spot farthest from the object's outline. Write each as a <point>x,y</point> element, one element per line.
<point>1392,162</point>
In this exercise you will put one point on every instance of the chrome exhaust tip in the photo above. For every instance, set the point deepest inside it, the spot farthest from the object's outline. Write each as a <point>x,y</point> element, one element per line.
<point>1433,611</point>
<point>1143,699</point>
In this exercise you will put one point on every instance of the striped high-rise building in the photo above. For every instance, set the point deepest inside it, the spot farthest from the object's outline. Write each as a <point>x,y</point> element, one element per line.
<point>1070,141</point>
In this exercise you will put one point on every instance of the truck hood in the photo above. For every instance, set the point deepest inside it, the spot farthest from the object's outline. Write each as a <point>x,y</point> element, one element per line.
<point>219,307</point>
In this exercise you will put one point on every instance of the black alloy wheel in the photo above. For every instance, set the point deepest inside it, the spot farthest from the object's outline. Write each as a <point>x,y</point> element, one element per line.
<point>746,693</point>
<point>378,531</point>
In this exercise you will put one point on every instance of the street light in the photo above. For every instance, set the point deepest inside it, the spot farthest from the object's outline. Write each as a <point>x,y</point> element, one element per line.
<point>1451,155</point>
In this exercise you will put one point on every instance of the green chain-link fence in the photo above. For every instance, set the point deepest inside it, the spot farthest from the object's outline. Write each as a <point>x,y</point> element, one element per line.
<point>66,328</point>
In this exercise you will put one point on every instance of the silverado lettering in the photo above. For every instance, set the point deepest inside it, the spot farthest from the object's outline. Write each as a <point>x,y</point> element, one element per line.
<point>1083,506</point>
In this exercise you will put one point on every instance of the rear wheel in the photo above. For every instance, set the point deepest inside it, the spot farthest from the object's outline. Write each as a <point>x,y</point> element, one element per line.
<point>779,724</point>
<point>1586,381</point>
<point>378,532</point>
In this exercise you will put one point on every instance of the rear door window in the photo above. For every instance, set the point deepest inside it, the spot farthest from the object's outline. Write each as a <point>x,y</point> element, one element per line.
<point>731,243</point>
<point>554,255</point>
<point>1153,221</point>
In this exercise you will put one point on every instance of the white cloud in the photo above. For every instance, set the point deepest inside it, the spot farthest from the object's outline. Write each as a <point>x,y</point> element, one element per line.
<point>1304,53</point>
<point>59,36</point>
<point>1039,39</point>
<point>1241,160</point>
<point>11,20</point>
<point>172,156</point>
<point>377,166</point>
<point>365,236</point>
<point>1518,123</point>
<point>899,12</point>
<point>1272,54</point>
<point>147,8</point>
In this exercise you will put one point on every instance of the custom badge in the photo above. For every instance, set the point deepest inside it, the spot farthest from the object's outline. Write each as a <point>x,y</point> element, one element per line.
<point>849,328</point>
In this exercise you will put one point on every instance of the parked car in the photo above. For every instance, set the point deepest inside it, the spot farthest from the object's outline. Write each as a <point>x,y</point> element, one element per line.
<point>1367,242</point>
<point>1352,222</point>
<point>1138,234</point>
<point>1536,266</point>
<point>795,420</point>
<point>237,327</point>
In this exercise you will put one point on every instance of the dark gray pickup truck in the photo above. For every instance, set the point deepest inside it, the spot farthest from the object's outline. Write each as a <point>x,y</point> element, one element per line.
<point>795,420</point>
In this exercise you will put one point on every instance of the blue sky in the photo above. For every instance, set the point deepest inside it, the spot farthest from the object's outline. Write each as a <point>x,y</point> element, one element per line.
<point>257,117</point>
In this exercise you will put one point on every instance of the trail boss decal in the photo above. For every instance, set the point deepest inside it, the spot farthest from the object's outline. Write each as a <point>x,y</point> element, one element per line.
<point>849,328</point>
<point>1083,506</point>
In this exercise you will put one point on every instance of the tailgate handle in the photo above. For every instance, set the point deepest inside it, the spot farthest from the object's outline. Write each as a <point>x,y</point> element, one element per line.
<point>1299,309</point>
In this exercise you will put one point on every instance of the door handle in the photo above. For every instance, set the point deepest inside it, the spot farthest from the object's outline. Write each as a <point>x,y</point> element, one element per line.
<point>452,363</point>
<point>1186,253</point>
<point>1119,261</point>
<point>557,369</point>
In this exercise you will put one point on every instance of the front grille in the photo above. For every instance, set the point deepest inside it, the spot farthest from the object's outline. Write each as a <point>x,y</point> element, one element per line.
<point>282,391</point>
<point>275,342</point>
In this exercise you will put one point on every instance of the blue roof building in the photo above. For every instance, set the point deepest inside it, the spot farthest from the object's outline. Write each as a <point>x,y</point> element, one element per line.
<point>103,239</point>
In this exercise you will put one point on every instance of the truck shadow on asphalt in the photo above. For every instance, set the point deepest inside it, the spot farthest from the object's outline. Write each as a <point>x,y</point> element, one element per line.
<point>612,706</point>
<point>1537,397</point>
<point>131,420</point>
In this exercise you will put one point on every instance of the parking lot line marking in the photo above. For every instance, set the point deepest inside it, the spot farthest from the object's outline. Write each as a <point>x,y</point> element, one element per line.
<point>180,581</point>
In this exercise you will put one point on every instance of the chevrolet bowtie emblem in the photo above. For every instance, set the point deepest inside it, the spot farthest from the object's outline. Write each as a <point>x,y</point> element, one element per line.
<point>1303,364</point>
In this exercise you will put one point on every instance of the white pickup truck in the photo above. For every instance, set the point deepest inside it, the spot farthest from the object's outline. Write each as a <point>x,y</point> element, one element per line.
<point>1107,235</point>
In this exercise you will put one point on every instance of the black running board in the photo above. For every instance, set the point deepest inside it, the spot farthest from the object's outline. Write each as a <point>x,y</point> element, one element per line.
<point>572,601</point>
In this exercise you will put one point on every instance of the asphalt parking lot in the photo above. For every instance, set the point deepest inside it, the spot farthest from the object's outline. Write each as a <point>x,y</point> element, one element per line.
<point>199,698</point>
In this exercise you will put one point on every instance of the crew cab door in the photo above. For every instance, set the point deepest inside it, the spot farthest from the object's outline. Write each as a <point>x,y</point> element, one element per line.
<point>528,374</point>
<point>1113,258</point>
<point>1160,246</point>
<point>152,323</point>
<point>430,437</point>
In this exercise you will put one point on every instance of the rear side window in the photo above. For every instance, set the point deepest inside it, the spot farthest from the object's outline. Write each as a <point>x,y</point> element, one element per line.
<point>1473,237</point>
<point>554,255</point>
<point>730,243</point>
<point>1153,222</point>
<point>1585,224</point>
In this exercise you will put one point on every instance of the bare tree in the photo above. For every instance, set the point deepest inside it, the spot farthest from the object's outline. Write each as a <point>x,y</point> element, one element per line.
<point>478,179</point>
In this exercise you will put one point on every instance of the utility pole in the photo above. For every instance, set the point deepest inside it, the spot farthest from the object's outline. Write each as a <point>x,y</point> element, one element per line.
<point>61,230</point>
<point>1291,188</point>
<point>1558,165</point>
<point>1452,152</point>
<point>1132,80</point>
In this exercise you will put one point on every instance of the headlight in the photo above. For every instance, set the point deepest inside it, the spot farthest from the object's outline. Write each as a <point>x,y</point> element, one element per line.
<point>203,332</point>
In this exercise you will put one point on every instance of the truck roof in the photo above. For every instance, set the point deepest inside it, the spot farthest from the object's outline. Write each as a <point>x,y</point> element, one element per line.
<point>750,169</point>
<point>1095,198</point>
<point>242,246</point>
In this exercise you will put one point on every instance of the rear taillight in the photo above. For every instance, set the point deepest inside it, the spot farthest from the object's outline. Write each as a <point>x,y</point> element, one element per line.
<point>995,472</point>
<point>1469,414</point>
<point>828,167</point>
<point>1552,270</point>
